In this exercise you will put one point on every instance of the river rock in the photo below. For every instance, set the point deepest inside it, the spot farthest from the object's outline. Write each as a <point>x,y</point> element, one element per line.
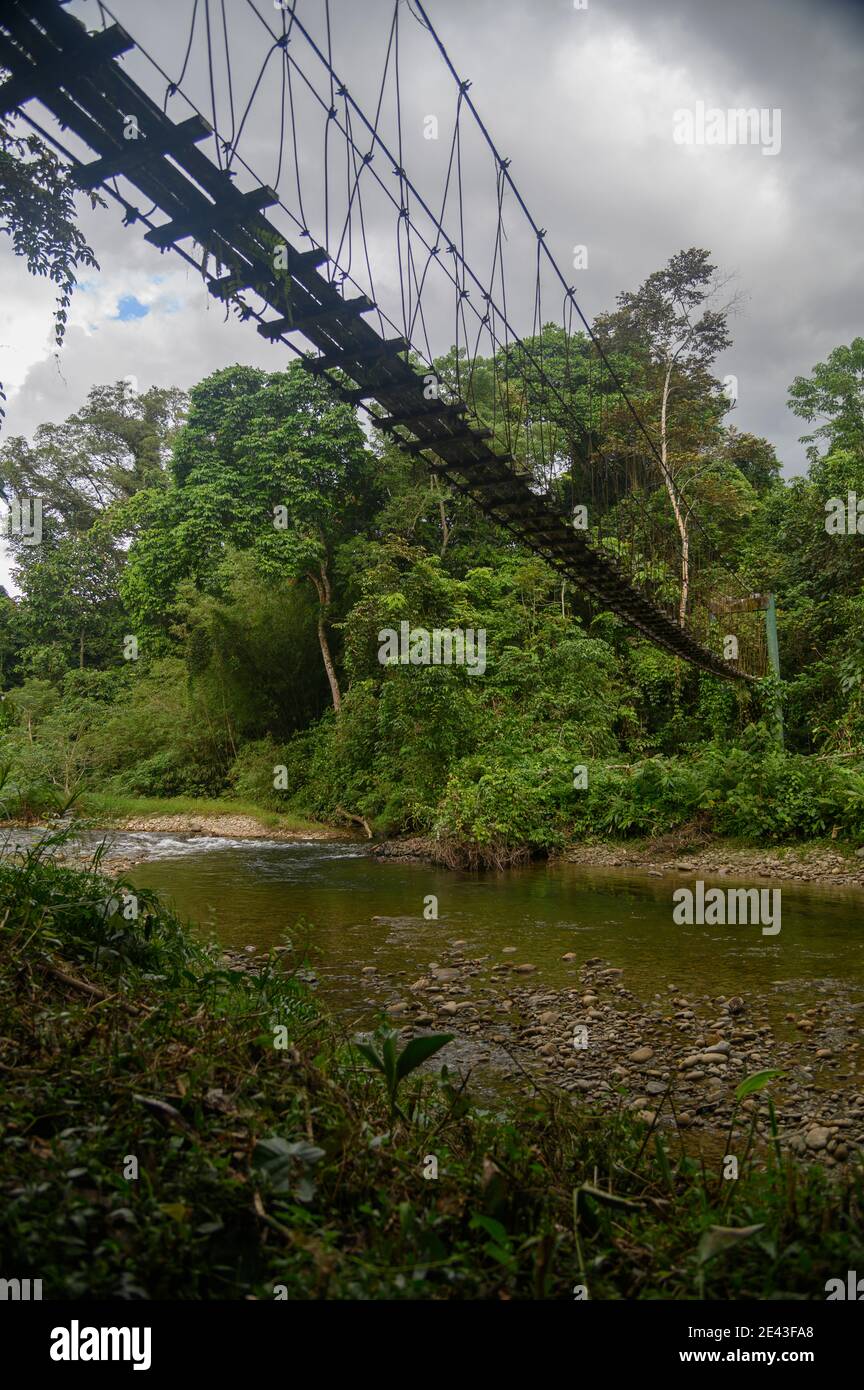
<point>524,969</point>
<point>642,1054</point>
<point>817,1137</point>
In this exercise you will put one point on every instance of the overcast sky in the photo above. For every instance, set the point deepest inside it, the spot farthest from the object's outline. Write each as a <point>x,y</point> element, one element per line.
<point>584,103</point>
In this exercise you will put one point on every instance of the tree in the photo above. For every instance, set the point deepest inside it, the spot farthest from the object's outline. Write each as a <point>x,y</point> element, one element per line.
<point>660,319</point>
<point>116,445</point>
<point>84,471</point>
<point>10,642</point>
<point>834,394</point>
<point>70,597</point>
<point>755,458</point>
<point>268,462</point>
<point>37,210</point>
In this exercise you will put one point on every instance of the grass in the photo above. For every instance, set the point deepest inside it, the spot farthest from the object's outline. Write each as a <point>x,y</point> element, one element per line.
<point>680,844</point>
<point>115,806</point>
<point>270,1171</point>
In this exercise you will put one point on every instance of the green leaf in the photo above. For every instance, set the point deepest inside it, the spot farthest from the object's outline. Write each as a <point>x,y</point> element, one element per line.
<point>720,1238</point>
<point>492,1228</point>
<point>495,1252</point>
<point>279,1160</point>
<point>370,1054</point>
<point>388,1052</point>
<point>177,1211</point>
<point>757,1082</point>
<point>419,1050</point>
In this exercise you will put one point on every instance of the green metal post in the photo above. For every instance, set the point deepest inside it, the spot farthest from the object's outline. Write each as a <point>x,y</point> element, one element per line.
<point>774,655</point>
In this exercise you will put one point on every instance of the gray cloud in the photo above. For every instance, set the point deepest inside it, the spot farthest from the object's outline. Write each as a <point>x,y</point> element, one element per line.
<point>583,103</point>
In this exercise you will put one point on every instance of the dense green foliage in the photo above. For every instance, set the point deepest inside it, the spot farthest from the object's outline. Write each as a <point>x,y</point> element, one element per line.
<point>203,616</point>
<point>298,1171</point>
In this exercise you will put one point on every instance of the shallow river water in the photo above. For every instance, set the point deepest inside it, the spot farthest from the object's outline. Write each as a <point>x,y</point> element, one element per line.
<point>574,977</point>
<point>361,911</point>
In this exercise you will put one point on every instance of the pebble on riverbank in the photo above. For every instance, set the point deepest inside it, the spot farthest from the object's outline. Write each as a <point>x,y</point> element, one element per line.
<point>679,1062</point>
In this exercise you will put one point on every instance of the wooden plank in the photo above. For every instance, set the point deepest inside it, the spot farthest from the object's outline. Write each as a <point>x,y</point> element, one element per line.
<point>374,392</point>
<point>477,472</point>
<point>463,437</point>
<point>385,347</point>
<point>224,286</point>
<point>419,417</point>
<point>217,217</point>
<point>338,313</point>
<point>139,151</point>
<point>725,607</point>
<point>66,70</point>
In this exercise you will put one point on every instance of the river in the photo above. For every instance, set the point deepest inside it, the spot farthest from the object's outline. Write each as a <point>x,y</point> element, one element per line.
<point>528,966</point>
<point>256,893</point>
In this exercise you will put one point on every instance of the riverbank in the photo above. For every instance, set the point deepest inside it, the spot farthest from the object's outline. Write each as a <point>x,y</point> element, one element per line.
<point>815,862</point>
<point>175,1129</point>
<point>180,816</point>
<point>675,1061</point>
<point>687,851</point>
<point>195,816</point>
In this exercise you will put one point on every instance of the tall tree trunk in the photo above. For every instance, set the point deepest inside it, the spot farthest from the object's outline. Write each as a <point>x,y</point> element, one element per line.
<point>322,588</point>
<point>445,529</point>
<point>680,517</point>
<point>442,511</point>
